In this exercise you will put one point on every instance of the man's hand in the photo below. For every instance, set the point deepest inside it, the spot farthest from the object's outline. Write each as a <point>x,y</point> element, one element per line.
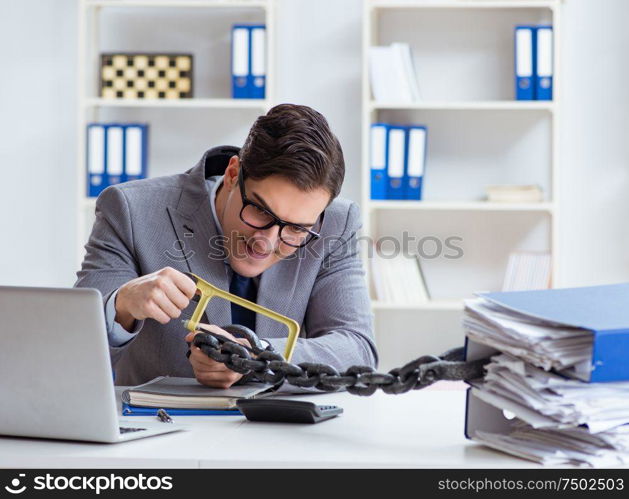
<point>207,371</point>
<point>161,295</point>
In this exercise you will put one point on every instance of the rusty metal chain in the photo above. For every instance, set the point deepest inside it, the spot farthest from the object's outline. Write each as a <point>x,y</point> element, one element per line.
<point>266,365</point>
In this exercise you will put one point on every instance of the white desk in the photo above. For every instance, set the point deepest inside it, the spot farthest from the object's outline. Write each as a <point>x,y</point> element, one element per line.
<point>417,429</point>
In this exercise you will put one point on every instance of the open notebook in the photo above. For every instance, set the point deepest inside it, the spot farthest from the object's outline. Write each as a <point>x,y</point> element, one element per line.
<point>188,393</point>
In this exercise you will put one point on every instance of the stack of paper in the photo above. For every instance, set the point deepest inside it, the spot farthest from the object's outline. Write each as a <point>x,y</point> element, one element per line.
<point>545,400</point>
<point>398,279</point>
<point>538,378</point>
<point>563,447</point>
<point>392,74</point>
<point>565,349</point>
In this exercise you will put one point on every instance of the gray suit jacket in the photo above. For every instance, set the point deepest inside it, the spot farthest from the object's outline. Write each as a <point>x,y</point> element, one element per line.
<point>146,225</point>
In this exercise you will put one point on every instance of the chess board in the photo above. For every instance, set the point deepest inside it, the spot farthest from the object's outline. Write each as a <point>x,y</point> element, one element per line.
<point>146,76</point>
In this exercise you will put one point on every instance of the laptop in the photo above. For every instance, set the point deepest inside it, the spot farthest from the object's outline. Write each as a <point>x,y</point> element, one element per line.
<point>56,378</point>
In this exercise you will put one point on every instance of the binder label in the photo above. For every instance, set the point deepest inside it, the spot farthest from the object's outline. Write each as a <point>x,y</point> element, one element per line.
<point>378,149</point>
<point>240,59</point>
<point>524,56</point>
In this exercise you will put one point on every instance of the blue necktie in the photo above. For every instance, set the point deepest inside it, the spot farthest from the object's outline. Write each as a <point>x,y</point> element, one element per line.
<point>245,288</point>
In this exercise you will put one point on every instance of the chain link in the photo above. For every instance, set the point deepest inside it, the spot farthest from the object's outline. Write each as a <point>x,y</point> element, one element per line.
<point>268,366</point>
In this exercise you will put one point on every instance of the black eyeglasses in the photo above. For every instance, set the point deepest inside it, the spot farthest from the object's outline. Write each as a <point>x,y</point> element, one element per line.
<point>258,217</point>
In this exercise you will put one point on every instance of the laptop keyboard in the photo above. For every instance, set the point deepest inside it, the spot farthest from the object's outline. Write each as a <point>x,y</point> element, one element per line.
<point>129,430</point>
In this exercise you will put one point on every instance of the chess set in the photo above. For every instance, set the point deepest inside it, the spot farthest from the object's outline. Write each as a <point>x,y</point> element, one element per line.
<point>146,76</point>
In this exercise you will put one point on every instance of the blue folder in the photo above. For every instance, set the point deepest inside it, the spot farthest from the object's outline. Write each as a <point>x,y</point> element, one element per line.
<point>241,61</point>
<point>128,153</point>
<point>256,80</point>
<point>378,160</point>
<point>95,159</point>
<point>604,310</point>
<point>525,62</point>
<point>135,151</point>
<point>134,410</point>
<point>396,162</point>
<point>415,162</point>
<point>544,63</point>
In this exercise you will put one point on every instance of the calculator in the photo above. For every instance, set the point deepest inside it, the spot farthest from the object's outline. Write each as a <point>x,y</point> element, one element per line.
<point>286,411</point>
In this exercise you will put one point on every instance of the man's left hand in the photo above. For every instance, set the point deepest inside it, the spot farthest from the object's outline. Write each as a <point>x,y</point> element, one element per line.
<point>207,371</point>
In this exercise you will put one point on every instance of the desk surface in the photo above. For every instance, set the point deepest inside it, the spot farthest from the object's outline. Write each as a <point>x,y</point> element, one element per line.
<point>417,429</point>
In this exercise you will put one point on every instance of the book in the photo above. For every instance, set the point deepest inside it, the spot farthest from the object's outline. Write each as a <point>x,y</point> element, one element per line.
<point>187,393</point>
<point>398,279</point>
<point>392,74</point>
<point>514,194</point>
<point>527,271</point>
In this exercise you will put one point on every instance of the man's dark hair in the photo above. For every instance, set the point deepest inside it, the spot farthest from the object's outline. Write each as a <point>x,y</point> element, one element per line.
<point>296,143</point>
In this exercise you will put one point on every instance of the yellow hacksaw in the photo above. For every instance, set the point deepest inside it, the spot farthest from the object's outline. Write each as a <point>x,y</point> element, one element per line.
<point>208,291</point>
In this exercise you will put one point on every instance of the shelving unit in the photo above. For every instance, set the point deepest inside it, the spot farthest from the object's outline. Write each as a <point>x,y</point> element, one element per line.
<point>467,106</point>
<point>180,129</point>
<point>477,135</point>
<point>455,305</point>
<point>98,102</point>
<point>459,206</point>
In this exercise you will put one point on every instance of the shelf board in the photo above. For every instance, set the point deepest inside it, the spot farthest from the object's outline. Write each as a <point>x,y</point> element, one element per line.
<point>466,106</point>
<point>180,103</point>
<point>179,3</point>
<point>459,206</point>
<point>429,305</point>
<point>463,4</point>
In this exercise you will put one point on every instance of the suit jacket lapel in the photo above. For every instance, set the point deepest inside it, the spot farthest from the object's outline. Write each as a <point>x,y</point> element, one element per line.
<point>197,234</point>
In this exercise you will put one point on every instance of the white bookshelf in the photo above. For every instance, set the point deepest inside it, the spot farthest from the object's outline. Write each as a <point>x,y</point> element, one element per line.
<point>452,305</point>
<point>467,106</point>
<point>180,130</point>
<point>458,206</point>
<point>477,135</point>
<point>257,104</point>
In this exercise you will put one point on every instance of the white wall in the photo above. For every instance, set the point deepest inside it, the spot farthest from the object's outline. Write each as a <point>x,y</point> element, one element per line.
<point>595,192</point>
<point>37,141</point>
<point>318,63</point>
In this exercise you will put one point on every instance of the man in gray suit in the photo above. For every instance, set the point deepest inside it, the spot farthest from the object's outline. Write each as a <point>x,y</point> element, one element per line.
<point>263,222</point>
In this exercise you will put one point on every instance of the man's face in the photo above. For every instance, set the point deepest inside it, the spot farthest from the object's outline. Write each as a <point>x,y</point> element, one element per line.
<point>251,251</point>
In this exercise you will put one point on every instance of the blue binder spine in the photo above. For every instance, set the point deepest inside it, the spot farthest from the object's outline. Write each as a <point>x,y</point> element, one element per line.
<point>115,157</point>
<point>241,63</point>
<point>135,151</point>
<point>415,162</point>
<point>544,59</point>
<point>378,160</point>
<point>396,162</point>
<point>525,55</point>
<point>95,159</point>
<point>257,51</point>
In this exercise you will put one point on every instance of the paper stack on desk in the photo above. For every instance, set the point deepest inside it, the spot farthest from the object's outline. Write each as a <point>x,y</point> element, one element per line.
<point>565,349</point>
<point>572,446</point>
<point>539,374</point>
